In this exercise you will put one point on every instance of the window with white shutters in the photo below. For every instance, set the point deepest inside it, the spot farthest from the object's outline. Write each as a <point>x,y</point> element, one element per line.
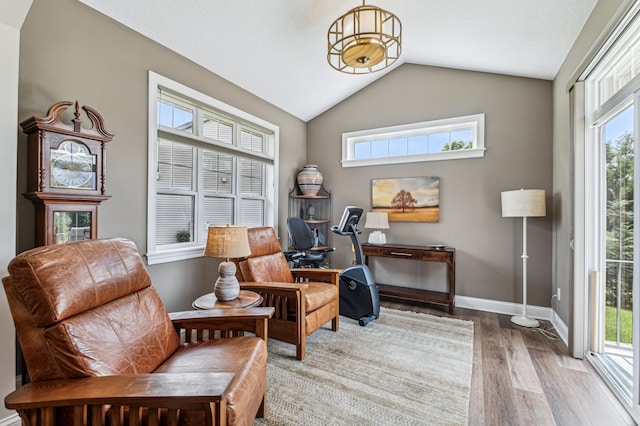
<point>210,164</point>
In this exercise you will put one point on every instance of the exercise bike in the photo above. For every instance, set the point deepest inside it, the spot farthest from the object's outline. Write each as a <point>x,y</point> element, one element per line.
<point>359,297</point>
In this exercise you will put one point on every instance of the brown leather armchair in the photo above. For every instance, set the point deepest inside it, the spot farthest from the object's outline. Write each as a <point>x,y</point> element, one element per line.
<point>304,299</point>
<point>100,347</point>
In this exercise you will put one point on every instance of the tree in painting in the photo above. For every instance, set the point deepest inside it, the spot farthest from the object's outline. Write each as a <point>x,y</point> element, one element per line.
<point>403,201</point>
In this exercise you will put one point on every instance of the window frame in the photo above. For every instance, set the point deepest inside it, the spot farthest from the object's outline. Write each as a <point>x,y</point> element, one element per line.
<point>474,121</point>
<point>242,121</point>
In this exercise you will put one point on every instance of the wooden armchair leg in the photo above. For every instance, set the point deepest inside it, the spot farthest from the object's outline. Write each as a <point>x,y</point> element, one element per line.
<point>335,324</point>
<point>301,348</point>
<point>261,409</point>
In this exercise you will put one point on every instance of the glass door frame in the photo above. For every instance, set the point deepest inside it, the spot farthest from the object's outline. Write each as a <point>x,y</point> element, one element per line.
<point>635,403</point>
<point>594,241</point>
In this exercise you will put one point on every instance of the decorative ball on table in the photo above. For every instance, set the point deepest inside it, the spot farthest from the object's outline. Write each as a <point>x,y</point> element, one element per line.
<point>225,242</point>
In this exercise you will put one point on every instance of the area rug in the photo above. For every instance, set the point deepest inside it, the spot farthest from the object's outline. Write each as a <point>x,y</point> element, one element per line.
<point>403,369</point>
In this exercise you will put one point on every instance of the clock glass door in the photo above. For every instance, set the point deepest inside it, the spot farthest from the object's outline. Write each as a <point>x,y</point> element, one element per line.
<point>71,226</point>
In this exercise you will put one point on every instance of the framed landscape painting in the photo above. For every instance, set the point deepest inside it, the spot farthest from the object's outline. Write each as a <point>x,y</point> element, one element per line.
<point>407,199</point>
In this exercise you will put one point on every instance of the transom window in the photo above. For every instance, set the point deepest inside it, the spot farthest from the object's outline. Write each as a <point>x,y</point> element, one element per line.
<point>620,67</point>
<point>210,164</point>
<point>460,137</point>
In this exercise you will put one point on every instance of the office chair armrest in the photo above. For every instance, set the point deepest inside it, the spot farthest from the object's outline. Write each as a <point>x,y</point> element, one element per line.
<point>331,276</point>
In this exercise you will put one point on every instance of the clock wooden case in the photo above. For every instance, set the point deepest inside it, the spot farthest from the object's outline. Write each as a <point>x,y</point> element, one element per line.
<point>66,173</point>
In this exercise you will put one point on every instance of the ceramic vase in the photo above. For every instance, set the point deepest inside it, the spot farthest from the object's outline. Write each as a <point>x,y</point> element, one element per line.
<point>310,180</point>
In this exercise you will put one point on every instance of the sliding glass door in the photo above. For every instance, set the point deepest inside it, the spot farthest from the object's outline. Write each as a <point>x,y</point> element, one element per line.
<point>611,301</point>
<point>612,188</point>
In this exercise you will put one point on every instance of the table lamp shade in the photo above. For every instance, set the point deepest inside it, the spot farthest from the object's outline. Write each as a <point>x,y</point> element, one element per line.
<point>230,241</point>
<point>377,220</point>
<point>523,203</point>
<point>226,242</point>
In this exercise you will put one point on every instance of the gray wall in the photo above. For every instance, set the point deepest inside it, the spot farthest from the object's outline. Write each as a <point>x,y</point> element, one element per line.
<point>71,52</point>
<point>518,119</point>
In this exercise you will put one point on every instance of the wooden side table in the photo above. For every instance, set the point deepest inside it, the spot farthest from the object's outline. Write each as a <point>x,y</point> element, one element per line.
<point>246,299</point>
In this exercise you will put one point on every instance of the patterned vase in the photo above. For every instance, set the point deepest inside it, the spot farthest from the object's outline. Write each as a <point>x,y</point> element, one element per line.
<point>309,180</point>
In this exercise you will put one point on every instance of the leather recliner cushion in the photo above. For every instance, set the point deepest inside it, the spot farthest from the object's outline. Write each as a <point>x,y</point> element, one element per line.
<point>269,267</point>
<point>319,294</point>
<point>102,271</point>
<point>245,357</point>
<point>263,241</point>
<point>131,335</point>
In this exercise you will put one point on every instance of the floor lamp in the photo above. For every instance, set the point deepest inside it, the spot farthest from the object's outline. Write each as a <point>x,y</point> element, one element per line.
<point>524,203</point>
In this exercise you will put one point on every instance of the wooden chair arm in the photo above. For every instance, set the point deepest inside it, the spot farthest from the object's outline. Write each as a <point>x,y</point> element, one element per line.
<point>317,275</point>
<point>271,285</point>
<point>230,321</point>
<point>37,402</point>
<point>288,299</point>
<point>221,315</point>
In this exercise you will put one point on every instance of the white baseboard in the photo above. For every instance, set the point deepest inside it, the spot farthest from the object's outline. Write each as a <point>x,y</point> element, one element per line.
<point>561,328</point>
<point>13,420</point>
<point>509,308</point>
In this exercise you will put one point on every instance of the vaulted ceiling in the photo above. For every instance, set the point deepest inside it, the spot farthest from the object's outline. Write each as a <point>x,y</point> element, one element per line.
<point>277,49</point>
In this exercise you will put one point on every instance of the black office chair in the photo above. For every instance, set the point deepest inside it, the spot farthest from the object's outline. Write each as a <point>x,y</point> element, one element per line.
<point>302,240</point>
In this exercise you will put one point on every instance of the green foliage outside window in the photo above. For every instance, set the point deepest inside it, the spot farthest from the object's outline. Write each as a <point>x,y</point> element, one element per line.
<point>619,236</point>
<point>457,145</point>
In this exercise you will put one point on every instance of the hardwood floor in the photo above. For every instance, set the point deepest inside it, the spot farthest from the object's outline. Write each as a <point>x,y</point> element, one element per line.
<point>521,377</point>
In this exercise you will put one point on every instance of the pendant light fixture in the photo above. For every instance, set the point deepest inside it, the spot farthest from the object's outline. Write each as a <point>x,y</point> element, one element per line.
<point>366,39</point>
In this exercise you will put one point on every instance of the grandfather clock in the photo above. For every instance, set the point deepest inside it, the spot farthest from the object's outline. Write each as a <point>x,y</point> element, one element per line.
<point>66,174</point>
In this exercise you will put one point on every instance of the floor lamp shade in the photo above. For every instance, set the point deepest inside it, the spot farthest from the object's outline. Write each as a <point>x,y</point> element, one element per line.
<point>227,242</point>
<point>524,203</point>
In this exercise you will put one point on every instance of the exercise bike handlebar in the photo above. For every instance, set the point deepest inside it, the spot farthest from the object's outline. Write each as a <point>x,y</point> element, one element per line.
<point>353,233</point>
<point>352,228</point>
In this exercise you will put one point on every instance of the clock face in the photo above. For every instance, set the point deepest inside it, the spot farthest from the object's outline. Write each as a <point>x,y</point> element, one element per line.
<point>73,166</point>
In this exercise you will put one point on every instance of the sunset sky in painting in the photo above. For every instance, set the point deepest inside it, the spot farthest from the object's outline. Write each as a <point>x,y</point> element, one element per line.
<point>424,189</point>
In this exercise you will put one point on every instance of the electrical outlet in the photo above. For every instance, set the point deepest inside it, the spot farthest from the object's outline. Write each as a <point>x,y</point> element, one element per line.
<point>558,293</point>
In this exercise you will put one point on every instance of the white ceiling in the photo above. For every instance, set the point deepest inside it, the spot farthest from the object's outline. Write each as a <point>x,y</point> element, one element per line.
<point>277,49</point>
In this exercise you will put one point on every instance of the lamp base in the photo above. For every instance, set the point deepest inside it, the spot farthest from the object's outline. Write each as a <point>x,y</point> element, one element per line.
<point>524,321</point>
<point>377,237</point>
<point>227,286</point>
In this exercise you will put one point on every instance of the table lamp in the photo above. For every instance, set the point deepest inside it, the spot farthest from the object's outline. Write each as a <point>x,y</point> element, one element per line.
<point>524,203</point>
<point>230,241</point>
<point>377,221</point>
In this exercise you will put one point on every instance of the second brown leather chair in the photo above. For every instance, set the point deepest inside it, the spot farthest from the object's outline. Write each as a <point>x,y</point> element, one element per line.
<point>304,299</point>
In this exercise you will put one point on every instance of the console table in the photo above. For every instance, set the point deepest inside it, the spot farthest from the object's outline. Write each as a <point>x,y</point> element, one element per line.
<point>424,253</point>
